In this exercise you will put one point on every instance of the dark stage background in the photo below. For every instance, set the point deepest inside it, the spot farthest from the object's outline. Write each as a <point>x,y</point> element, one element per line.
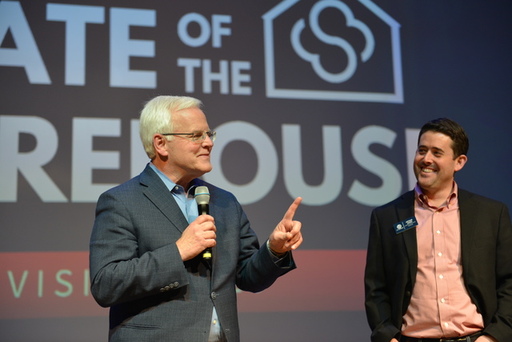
<point>320,99</point>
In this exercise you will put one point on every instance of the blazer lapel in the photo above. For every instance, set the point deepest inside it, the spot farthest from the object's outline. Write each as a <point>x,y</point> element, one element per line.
<point>156,191</point>
<point>467,219</point>
<point>405,210</point>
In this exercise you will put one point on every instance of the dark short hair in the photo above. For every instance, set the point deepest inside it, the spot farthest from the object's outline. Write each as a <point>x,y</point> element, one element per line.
<point>460,141</point>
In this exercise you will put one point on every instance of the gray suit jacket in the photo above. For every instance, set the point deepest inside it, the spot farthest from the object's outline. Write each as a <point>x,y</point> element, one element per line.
<point>137,271</point>
<point>486,244</point>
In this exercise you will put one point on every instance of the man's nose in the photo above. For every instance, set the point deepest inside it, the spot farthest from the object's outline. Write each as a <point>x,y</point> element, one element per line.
<point>427,158</point>
<point>208,141</point>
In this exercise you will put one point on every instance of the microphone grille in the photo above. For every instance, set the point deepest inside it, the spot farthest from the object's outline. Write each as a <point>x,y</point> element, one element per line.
<point>202,195</point>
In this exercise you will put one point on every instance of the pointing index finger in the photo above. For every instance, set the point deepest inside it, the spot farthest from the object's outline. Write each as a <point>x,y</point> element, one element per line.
<point>290,213</point>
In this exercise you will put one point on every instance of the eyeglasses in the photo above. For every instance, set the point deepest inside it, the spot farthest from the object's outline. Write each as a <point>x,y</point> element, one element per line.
<point>196,136</point>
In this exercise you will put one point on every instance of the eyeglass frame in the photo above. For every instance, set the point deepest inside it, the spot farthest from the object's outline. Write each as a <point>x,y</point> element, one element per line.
<point>210,134</point>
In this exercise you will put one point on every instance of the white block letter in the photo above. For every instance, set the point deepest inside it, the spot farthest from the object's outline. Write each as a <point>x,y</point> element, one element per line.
<point>26,54</point>
<point>122,48</point>
<point>85,159</point>
<point>76,17</point>
<point>331,185</point>
<point>266,174</point>
<point>29,164</point>
<point>391,180</point>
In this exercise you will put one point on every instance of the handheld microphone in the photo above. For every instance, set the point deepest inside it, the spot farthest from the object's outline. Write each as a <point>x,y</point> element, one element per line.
<point>202,197</point>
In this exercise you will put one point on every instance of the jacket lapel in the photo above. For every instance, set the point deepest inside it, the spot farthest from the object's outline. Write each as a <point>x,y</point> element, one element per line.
<point>156,191</point>
<point>405,210</point>
<point>467,219</point>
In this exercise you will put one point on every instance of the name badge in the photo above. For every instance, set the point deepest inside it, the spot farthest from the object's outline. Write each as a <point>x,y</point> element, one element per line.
<point>404,225</point>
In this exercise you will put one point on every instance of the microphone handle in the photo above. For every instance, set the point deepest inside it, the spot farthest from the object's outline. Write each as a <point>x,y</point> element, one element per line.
<point>204,210</point>
<point>207,254</point>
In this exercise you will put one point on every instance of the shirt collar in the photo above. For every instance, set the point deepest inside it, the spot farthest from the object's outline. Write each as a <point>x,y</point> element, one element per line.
<point>422,199</point>
<point>173,187</point>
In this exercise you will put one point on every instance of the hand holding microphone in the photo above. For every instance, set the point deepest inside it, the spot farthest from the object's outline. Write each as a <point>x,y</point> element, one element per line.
<point>202,197</point>
<point>200,235</point>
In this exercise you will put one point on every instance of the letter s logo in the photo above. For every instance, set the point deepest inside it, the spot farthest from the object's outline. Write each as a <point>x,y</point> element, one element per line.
<point>315,59</point>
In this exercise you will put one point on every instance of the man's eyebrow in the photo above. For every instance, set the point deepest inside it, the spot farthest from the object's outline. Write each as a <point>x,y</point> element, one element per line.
<point>438,149</point>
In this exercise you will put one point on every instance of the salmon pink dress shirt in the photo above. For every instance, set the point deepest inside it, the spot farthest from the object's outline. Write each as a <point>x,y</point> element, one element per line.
<point>440,304</point>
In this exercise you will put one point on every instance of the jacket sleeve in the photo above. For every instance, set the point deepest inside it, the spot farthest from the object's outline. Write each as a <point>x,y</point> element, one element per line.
<point>256,269</point>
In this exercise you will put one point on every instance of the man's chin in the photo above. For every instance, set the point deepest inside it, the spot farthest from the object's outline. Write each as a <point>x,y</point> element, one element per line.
<point>424,183</point>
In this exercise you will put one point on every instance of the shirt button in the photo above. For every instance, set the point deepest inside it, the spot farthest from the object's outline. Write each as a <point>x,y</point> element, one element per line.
<point>441,276</point>
<point>440,254</point>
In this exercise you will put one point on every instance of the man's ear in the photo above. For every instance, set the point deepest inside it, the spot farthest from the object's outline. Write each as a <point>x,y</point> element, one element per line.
<point>460,161</point>
<point>160,145</point>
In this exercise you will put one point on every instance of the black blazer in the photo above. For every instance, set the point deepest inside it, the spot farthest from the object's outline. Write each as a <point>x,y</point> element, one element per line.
<point>486,243</point>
